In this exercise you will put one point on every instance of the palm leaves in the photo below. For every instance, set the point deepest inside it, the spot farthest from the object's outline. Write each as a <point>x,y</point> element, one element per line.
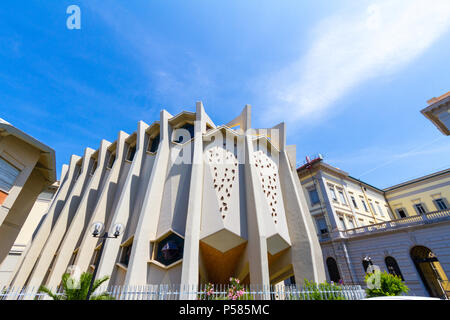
<point>78,290</point>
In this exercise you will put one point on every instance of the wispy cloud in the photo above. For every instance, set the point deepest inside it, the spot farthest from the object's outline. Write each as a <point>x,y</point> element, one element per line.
<point>368,163</point>
<point>351,47</point>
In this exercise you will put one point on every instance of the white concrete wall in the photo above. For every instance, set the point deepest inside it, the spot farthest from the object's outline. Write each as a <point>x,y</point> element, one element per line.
<point>176,191</point>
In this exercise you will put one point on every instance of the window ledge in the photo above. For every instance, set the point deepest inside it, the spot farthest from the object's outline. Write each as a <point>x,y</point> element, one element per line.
<point>122,266</point>
<point>159,264</point>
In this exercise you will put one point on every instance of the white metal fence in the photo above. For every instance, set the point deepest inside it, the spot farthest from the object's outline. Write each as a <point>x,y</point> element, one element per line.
<point>219,292</point>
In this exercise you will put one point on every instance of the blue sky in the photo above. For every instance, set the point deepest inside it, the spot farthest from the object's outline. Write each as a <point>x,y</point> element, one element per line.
<point>348,77</point>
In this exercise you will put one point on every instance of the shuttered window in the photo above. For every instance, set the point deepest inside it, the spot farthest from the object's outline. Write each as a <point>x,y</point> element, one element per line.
<point>8,175</point>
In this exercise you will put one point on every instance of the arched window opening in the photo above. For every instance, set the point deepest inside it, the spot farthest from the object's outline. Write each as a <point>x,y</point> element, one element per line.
<point>431,272</point>
<point>333,270</point>
<point>393,268</point>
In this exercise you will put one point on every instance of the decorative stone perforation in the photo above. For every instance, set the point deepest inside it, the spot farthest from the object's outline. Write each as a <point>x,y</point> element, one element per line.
<point>224,168</point>
<point>268,176</point>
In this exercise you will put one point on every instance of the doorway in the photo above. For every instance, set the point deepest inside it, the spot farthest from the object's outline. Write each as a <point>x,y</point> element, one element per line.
<point>431,272</point>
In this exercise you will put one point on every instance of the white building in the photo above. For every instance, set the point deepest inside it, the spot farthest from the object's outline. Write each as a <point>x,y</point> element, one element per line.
<point>197,203</point>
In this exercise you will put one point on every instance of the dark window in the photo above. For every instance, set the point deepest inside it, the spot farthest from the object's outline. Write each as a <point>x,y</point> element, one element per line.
<point>419,208</point>
<point>190,128</point>
<point>126,252</point>
<point>131,152</point>
<point>153,144</point>
<point>314,196</point>
<point>112,159</point>
<point>322,226</point>
<point>393,267</point>
<point>170,249</point>
<point>354,202</point>
<point>364,205</point>
<point>401,213</point>
<point>94,166</point>
<point>440,204</point>
<point>366,263</point>
<point>290,281</point>
<point>333,270</point>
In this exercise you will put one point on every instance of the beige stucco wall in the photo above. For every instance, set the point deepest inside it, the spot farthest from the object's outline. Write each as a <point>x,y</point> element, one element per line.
<point>25,235</point>
<point>424,192</point>
<point>35,163</point>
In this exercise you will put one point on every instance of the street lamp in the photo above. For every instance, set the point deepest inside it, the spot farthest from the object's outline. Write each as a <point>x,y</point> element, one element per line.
<point>367,263</point>
<point>96,229</point>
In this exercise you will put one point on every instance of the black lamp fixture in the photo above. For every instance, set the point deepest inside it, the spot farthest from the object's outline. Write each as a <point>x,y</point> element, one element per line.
<point>367,262</point>
<point>96,230</point>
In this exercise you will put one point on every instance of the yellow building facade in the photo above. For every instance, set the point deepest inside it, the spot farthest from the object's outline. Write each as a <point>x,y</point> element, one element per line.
<point>423,195</point>
<point>404,229</point>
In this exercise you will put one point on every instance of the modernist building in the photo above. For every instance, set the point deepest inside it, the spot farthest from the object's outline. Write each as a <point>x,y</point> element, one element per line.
<point>438,112</point>
<point>196,203</point>
<point>27,167</point>
<point>404,229</point>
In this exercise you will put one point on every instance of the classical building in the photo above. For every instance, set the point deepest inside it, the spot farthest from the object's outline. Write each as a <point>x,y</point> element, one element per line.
<point>404,229</point>
<point>188,201</point>
<point>27,167</point>
<point>438,112</point>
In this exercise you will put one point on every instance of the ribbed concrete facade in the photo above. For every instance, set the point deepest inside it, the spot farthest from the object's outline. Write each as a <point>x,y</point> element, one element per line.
<point>198,203</point>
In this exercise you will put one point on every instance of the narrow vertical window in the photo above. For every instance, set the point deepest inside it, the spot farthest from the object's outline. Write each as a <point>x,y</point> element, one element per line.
<point>351,223</point>
<point>440,204</point>
<point>341,223</point>
<point>333,193</point>
<point>322,227</point>
<point>341,195</point>
<point>419,208</point>
<point>333,270</point>
<point>364,205</point>
<point>8,175</point>
<point>401,212</point>
<point>393,268</point>
<point>354,202</point>
<point>380,210</point>
<point>313,196</point>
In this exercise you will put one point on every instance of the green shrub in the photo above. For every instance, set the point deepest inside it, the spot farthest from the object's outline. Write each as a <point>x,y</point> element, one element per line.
<point>80,291</point>
<point>389,285</point>
<point>321,291</point>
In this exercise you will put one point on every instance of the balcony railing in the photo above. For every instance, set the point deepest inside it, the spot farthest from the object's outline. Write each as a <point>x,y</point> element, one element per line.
<point>427,218</point>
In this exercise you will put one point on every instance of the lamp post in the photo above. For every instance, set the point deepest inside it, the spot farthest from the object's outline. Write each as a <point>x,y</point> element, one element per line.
<point>367,261</point>
<point>97,228</point>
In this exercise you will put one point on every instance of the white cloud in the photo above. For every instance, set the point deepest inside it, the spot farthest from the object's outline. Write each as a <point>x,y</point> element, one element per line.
<point>354,46</point>
<point>368,161</point>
